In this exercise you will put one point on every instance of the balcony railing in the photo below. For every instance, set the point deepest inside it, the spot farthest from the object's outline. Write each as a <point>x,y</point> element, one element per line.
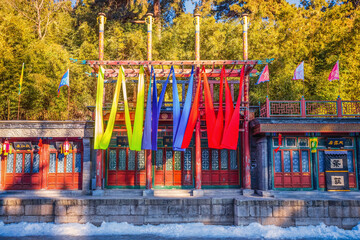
<point>303,108</point>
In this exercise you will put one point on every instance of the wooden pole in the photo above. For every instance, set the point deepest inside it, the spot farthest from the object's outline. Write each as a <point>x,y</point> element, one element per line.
<point>149,22</point>
<point>18,115</point>
<point>99,152</point>
<point>8,108</point>
<point>68,106</point>
<point>198,174</point>
<point>246,138</point>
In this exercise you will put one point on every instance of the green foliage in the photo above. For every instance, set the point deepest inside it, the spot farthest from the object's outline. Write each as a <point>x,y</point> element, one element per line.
<point>317,32</point>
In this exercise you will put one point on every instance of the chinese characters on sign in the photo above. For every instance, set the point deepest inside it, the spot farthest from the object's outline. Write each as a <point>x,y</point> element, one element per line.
<point>336,170</point>
<point>168,141</point>
<point>122,141</point>
<point>335,142</point>
<point>22,145</point>
<point>337,181</point>
<point>336,163</point>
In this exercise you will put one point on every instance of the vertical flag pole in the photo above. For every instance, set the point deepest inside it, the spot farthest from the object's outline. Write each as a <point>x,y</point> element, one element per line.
<point>267,90</point>
<point>197,128</point>
<point>339,80</point>
<point>68,109</point>
<point>149,22</point>
<point>99,152</point>
<point>8,108</point>
<point>20,83</point>
<point>246,183</point>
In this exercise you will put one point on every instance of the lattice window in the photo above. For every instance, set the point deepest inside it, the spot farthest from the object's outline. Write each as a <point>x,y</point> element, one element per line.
<point>287,161</point>
<point>159,159</point>
<point>224,159</point>
<point>169,160</point>
<point>291,142</point>
<point>303,142</point>
<point>122,159</point>
<point>214,159</point>
<point>78,162</point>
<point>233,160</point>
<point>348,142</point>
<point>205,159</point>
<point>27,167</point>
<point>112,159</point>
<point>351,107</point>
<point>19,163</point>
<point>296,162</point>
<point>52,163</point>
<point>61,163</point>
<point>10,163</point>
<point>141,160</point>
<point>350,161</point>
<point>131,160</point>
<point>36,162</point>
<point>321,108</point>
<point>278,165</point>
<point>69,163</point>
<point>177,158</point>
<point>305,161</point>
<point>187,160</point>
<point>321,161</point>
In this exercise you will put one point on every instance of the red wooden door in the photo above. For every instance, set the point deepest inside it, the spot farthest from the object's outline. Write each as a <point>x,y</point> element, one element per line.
<point>292,169</point>
<point>351,168</point>
<point>64,171</point>
<point>21,171</point>
<point>219,167</point>
<point>173,168</point>
<point>125,167</point>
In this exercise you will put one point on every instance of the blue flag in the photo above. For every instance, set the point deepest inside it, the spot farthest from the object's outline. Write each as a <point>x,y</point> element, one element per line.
<point>146,141</point>
<point>299,72</point>
<point>181,126</point>
<point>64,81</point>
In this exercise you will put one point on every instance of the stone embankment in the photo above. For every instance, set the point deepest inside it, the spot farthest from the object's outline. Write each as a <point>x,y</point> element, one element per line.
<point>221,211</point>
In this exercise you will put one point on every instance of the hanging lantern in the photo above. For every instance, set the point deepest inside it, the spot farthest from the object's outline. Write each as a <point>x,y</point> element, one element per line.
<point>40,144</point>
<point>6,147</point>
<point>66,147</point>
<point>313,144</point>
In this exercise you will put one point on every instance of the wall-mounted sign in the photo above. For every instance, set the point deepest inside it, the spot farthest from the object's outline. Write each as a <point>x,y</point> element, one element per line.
<point>168,141</point>
<point>122,141</point>
<point>22,146</point>
<point>336,171</point>
<point>335,142</point>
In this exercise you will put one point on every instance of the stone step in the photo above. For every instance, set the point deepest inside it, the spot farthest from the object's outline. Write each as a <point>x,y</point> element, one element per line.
<point>43,193</point>
<point>172,193</point>
<point>123,192</point>
<point>222,192</point>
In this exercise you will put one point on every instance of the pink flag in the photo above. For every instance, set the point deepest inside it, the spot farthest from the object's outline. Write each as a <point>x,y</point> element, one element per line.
<point>264,76</point>
<point>334,75</point>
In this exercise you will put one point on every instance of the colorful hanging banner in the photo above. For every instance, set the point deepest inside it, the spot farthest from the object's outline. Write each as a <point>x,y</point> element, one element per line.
<point>334,75</point>
<point>183,120</point>
<point>299,72</point>
<point>194,113</point>
<point>146,141</point>
<point>106,137</point>
<point>231,131</point>
<point>264,76</point>
<point>135,133</point>
<point>214,125</point>
<point>21,78</point>
<point>99,125</point>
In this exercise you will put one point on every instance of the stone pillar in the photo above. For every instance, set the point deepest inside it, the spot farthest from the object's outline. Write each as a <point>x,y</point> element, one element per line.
<point>262,163</point>
<point>86,170</point>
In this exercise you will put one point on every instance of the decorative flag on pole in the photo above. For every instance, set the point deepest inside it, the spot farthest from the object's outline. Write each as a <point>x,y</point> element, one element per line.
<point>299,72</point>
<point>99,124</point>
<point>264,76</point>
<point>334,75</point>
<point>64,81</point>
<point>21,78</point>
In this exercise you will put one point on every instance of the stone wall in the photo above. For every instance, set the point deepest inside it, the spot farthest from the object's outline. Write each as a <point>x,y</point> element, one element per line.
<point>285,213</point>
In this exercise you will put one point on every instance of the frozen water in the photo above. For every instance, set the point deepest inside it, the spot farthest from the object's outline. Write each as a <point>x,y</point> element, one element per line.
<point>190,231</point>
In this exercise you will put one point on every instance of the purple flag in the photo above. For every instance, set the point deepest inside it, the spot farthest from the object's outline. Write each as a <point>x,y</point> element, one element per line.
<point>264,76</point>
<point>299,72</point>
<point>334,75</point>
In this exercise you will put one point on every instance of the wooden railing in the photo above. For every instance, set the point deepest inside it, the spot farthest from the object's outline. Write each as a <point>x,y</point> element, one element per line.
<point>303,108</point>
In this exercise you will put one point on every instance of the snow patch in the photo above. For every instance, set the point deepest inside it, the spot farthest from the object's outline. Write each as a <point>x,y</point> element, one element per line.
<point>198,230</point>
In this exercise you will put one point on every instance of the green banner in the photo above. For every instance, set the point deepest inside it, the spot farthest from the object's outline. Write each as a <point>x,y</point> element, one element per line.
<point>135,134</point>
